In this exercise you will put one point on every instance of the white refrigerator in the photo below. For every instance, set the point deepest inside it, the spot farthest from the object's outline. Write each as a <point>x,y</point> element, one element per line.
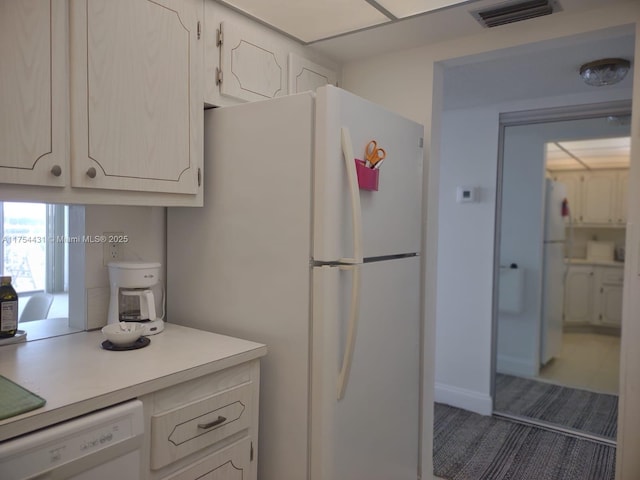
<point>290,252</point>
<point>553,271</point>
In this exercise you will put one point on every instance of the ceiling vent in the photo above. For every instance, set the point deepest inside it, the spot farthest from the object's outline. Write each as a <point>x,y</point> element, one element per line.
<point>511,12</point>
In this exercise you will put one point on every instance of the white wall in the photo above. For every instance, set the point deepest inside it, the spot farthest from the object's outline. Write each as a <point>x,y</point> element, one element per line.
<point>411,82</point>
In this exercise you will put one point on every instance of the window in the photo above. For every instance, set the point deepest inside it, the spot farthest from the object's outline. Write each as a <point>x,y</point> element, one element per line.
<point>30,252</point>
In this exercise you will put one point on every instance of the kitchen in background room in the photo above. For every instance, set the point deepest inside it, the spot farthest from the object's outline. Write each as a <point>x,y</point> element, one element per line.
<point>560,296</point>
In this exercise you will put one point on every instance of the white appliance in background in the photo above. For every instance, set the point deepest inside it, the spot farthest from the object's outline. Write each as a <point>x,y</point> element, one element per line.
<point>103,445</point>
<point>554,272</point>
<point>289,252</point>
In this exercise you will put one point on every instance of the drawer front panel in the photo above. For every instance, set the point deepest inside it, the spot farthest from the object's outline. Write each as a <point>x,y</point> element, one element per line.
<point>196,425</point>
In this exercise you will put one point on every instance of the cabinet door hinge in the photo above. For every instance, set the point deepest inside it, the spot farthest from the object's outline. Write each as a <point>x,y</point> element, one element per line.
<point>199,176</point>
<point>199,30</point>
<point>218,76</point>
<point>219,36</point>
<point>251,453</point>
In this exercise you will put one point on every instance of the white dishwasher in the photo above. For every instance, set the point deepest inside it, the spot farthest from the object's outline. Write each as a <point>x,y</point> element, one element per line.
<point>102,445</point>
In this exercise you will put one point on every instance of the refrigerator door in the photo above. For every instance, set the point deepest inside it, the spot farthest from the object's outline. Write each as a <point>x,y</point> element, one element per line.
<point>554,273</point>
<point>372,432</point>
<point>554,229</point>
<point>391,216</point>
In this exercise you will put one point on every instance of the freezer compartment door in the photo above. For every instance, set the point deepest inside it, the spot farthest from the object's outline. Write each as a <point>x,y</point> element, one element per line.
<point>391,216</point>
<point>372,431</point>
<point>554,275</point>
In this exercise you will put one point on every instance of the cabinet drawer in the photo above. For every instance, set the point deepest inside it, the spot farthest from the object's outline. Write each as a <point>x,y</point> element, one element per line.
<point>196,425</point>
<point>613,277</point>
<point>231,463</point>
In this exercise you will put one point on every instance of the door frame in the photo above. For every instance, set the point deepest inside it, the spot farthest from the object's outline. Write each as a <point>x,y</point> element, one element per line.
<point>531,117</point>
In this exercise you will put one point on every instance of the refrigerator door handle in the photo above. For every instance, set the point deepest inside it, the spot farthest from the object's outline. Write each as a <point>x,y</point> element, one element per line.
<point>352,329</point>
<point>356,210</point>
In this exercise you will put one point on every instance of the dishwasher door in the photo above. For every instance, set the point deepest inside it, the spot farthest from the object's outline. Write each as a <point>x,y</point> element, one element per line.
<point>102,445</point>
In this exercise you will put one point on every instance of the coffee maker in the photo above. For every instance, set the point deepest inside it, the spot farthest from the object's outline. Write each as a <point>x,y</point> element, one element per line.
<point>132,298</point>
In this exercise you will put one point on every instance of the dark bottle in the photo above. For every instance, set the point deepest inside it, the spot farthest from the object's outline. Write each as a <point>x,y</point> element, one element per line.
<point>8,308</point>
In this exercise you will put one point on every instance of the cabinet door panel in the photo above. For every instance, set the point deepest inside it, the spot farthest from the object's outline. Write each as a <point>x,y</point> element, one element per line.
<point>305,75</point>
<point>579,295</point>
<point>611,305</point>
<point>137,103</point>
<point>33,116</point>
<point>252,68</point>
<point>622,197</point>
<point>231,463</point>
<point>598,196</point>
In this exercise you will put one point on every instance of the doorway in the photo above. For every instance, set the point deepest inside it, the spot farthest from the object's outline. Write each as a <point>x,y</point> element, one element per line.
<point>560,233</point>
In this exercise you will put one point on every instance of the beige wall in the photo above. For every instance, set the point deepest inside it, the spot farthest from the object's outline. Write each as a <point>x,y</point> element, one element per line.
<point>406,81</point>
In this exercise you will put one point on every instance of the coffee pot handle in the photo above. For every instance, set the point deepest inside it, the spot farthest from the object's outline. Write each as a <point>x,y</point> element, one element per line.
<point>151,304</point>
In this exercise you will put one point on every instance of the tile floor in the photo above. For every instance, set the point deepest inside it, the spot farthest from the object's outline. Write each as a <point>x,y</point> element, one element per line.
<point>587,360</point>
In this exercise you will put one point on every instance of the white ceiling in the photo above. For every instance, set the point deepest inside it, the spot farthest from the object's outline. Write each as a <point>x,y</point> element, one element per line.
<point>437,26</point>
<point>544,70</point>
<point>313,20</point>
<point>588,154</point>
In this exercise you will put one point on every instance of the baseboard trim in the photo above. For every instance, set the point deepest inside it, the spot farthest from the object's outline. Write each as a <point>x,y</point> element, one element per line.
<point>463,398</point>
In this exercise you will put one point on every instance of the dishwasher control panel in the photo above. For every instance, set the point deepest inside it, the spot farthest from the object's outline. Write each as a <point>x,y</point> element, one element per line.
<point>92,435</point>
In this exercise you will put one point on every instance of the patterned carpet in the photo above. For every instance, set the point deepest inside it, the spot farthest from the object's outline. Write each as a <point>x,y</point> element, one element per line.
<point>468,446</point>
<point>595,413</point>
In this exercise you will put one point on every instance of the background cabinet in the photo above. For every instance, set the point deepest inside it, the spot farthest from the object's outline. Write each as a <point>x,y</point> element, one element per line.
<point>578,300</point>
<point>33,92</point>
<point>593,295</point>
<point>597,197</point>
<point>105,95</point>
<point>245,61</point>
<point>205,428</point>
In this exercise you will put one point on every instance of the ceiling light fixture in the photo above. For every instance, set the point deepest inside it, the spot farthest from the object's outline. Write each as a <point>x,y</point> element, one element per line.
<point>607,71</point>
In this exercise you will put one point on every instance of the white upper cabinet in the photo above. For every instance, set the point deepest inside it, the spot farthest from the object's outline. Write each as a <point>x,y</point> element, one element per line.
<point>136,95</point>
<point>622,192</point>
<point>598,197</point>
<point>33,92</point>
<point>250,67</point>
<point>306,75</point>
<point>245,61</point>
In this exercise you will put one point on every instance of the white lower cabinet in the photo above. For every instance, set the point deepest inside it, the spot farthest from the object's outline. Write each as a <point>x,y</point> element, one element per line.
<point>205,428</point>
<point>578,300</point>
<point>593,295</point>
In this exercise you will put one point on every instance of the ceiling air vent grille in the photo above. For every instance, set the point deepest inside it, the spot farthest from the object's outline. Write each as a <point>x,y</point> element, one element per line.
<point>515,12</point>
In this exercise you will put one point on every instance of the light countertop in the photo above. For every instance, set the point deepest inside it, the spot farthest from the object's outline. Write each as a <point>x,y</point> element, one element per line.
<point>77,376</point>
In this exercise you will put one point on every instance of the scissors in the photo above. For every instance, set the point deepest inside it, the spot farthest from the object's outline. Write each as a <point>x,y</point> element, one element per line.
<point>374,154</point>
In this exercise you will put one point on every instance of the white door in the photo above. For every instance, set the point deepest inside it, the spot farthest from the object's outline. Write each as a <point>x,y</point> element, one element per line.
<point>391,216</point>
<point>372,431</point>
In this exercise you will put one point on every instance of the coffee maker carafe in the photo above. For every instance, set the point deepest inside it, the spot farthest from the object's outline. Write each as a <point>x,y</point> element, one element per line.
<point>132,297</point>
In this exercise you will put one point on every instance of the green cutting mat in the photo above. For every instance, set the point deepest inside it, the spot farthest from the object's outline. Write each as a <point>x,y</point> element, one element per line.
<point>15,399</point>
